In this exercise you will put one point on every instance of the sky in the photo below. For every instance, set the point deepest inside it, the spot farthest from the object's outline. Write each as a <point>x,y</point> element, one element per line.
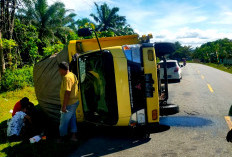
<point>191,22</point>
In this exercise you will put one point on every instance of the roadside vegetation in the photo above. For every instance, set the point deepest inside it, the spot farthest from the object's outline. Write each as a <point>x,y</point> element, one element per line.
<point>226,68</point>
<point>216,54</point>
<point>219,51</point>
<point>48,148</point>
<point>35,30</point>
<point>32,30</point>
<point>7,102</point>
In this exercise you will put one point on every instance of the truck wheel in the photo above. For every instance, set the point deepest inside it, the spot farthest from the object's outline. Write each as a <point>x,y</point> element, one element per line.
<point>169,109</point>
<point>142,132</point>
<point>145,134</point>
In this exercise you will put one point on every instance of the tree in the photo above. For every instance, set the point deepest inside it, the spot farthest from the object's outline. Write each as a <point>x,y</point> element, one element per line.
<point>7,17</point>
<point>27,39</point>
<point>181,52</point>
<point>50,21</point>
<point>214,51</point>
<point>80,23</point>
<point>108,19</point>
<point>124,30</point>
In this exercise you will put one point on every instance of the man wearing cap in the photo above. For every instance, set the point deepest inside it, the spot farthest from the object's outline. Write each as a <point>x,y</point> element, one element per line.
<point>69,102</point>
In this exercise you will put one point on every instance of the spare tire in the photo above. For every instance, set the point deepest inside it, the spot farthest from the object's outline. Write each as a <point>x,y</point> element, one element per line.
<point>169,109</point>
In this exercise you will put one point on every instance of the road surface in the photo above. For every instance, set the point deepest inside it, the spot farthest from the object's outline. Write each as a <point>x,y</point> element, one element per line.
<point>204,96</point>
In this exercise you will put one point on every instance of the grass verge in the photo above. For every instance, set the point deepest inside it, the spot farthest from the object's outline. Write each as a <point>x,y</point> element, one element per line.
<point>8,100</point>
<point>226,68</point>
<point>48,148</point>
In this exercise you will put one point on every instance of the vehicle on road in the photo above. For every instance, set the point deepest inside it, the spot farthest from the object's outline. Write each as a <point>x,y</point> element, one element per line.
<point>173,70</point>
<point>118,81</point>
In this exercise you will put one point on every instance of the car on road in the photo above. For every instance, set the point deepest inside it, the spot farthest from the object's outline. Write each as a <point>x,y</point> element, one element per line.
<point>173,70</point>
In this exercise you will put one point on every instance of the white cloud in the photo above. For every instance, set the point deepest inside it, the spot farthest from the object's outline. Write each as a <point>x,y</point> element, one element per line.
<point>190,23</point>
<point>79,5</point>
<point>192,37</point>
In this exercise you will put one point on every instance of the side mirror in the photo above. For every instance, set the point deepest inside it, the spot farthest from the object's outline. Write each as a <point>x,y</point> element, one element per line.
<point>164,48</point>
<point>84,32</point>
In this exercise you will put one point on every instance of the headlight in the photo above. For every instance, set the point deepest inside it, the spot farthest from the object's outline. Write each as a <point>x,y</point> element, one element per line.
<point>138,118</point>
<point>141,116</point>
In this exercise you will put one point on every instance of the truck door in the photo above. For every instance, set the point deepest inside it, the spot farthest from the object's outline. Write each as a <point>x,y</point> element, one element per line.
<point>151,83</point>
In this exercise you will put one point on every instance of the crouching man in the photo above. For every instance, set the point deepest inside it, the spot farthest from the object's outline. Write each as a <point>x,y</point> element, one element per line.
<point>69,102</point>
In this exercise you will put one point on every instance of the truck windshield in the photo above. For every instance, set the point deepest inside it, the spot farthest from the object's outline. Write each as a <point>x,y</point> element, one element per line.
<point>98,89</point>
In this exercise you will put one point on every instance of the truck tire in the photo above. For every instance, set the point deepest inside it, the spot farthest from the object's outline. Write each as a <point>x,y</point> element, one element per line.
<point>144,133</point>
<point>141,132</point>
<point>169,109</point>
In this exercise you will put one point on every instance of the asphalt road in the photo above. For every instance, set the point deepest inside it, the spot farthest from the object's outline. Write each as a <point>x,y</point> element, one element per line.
<point>204,96</point>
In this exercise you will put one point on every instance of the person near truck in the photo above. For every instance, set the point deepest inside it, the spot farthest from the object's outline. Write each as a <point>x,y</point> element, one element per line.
<point>17,122</point>
<point>69,102</point>
<point>17,106</point>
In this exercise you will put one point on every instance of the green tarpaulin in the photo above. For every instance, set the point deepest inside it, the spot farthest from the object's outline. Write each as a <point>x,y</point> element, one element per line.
<point>47,81</point>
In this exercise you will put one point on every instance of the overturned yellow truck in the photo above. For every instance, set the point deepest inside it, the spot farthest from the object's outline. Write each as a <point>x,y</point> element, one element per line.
<point>118,82</point>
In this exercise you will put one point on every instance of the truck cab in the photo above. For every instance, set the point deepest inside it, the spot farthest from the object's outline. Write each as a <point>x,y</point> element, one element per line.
<point>118,82</point>
<point>118,87</point>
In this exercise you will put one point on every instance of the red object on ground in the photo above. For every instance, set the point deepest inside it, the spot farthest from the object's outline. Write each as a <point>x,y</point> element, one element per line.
<point>17,108</point>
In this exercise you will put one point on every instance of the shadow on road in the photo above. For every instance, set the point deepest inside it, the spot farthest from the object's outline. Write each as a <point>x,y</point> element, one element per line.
<point>109,140</point>
<point>93,141</point>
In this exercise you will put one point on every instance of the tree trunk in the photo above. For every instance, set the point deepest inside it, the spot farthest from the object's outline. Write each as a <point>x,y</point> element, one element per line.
<point>12,16</point>
<point>2,61</point>
<point>7,13</point>
<point>9,56</point>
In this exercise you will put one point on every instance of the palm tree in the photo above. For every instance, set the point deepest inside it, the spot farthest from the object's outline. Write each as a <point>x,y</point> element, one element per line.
<point>50,21</point>
<point>125,30</point>
<point>108,19</point>
<point>81,23</point>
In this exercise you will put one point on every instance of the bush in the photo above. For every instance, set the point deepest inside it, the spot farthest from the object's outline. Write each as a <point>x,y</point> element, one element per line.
<point>50,50</point>
<point>17,79</point>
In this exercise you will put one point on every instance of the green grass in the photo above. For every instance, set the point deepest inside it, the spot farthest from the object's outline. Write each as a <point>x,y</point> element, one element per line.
<point>226,68</point>
<point>190,61</point>
<point>48,148</point>
<point>8,100</point>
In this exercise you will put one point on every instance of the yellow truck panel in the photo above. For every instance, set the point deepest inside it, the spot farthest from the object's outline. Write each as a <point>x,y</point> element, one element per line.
<point>81,46</point>
<point>122,86</point>
<point>150,67</point>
